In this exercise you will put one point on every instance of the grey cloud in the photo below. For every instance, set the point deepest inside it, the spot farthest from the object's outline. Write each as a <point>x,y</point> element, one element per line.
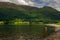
<point>4,0</point>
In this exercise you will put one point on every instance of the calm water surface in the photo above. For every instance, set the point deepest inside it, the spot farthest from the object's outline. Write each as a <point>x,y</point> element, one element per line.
<point>24,30</point>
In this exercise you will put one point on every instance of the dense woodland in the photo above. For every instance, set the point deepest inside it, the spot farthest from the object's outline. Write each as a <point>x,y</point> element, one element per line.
<point>29,14</point>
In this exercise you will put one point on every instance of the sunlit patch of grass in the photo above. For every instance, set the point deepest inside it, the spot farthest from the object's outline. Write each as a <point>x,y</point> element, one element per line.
<point>27,23</point>
<point>21,23</point>
<point>1,22</point>
<point>58,23</point>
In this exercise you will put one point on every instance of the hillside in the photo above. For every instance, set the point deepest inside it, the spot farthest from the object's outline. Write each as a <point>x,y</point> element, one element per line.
<point>10,11</point>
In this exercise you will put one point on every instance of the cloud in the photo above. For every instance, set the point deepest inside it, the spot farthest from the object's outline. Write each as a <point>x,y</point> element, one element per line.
<point>52,3</point>
<point>4,0</point>
<point>26,2</point>
<point>23,2</point>
<point>55,4</point>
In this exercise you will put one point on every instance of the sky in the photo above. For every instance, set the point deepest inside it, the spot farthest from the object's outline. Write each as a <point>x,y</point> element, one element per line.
<point>37,3</point>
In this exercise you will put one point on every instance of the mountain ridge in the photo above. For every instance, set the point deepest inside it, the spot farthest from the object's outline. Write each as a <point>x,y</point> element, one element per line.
<point>28,13</point>
<point>12,5</point>
<point>8,4</point>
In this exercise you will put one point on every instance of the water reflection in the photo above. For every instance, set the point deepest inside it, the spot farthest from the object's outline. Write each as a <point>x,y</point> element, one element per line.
<point>25,31</point>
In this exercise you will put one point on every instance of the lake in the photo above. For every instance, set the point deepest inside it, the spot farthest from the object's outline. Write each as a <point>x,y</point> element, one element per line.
<point>14,32</point>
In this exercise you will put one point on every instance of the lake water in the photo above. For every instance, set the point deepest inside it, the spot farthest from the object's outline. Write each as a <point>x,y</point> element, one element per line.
<point>31,31</point>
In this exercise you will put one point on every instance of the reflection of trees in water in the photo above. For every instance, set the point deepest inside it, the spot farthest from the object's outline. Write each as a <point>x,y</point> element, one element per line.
<point>24,31</point>
<point>50,30</point>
